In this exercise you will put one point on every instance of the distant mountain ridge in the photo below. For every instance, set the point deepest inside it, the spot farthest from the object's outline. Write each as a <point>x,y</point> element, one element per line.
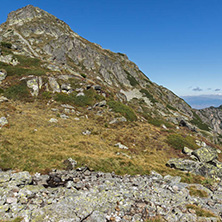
<point>203,101</point>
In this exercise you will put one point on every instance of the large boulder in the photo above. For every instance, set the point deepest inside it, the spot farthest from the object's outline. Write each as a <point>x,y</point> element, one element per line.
<point>205,154</point>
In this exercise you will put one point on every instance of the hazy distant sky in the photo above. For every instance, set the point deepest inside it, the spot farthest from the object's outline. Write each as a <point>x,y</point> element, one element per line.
<point>176,43</point>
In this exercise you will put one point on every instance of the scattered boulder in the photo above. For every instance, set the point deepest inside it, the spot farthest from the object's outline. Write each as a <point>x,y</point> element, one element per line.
<point>54,85</point>
<point>100,104</point>
<point>3,75</point>
<point>121,146</point>
<point>3,121</point>
<point>66,88</point>
<point>3,99</point>
<point>86,132</point>
<point>118,120</point>
<point>80,94</point>
<point>64,116</point>
<point>53,120</point>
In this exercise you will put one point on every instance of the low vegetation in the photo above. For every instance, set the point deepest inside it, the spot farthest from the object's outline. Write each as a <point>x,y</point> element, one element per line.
<point>26,66</point>
<point>200,212</point>
<point>18,91</point>
<point>123,109</point>
<point>148,95</point>
<point>178,141</point>
<point>199,123</point>
<point>197,192</point>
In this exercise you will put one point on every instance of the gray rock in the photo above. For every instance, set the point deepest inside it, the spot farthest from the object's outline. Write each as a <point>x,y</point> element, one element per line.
<point>64,116</point>
<point>3,99</point>
<point>87,132</point>
<point>34,85</point>
<point>121,146</point>
<point>118,120</point>
<point>3,75</point>
<point>54,85</point>
<point>100,104</point>
<point>80,94</point>
<point>3,121</point>
<point>53,120</point>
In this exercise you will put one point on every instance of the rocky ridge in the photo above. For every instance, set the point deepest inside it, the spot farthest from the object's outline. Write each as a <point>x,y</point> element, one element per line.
<point>84,195</point>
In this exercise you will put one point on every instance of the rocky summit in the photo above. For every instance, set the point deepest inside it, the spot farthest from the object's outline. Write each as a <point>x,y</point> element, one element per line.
<point>86,136</point>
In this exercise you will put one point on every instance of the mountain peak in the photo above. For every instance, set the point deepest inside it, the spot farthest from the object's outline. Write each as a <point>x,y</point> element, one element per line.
<point>27,13</point>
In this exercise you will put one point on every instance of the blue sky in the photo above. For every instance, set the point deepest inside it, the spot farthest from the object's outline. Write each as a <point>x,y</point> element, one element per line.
<point>176,43</point>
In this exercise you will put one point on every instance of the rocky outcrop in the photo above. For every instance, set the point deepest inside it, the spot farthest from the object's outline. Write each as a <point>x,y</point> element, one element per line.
<point>83,195</point>
<point>204,162</point>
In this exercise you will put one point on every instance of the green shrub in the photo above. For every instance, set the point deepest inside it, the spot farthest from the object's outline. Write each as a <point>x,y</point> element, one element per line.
<point>6,45</point>
<point>18,92</point>
<point>83,100</point>
<point>47,95</point>
<point>75,100</point>
<point>171,107</point>
<point>27,66</point>
<point>64,98</point>
<point>199,123</point>
<point>132,80</point>
<point>178,141</point>
<point>123,109</point>
<point>1,90</point>
<point>148,95</point>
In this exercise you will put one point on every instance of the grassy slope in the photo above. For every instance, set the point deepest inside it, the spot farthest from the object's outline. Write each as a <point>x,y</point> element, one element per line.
<point>32,143</point>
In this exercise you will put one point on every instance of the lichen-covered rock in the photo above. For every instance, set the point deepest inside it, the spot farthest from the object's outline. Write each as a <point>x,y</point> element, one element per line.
<point>182,164</point>
<point>205,154</point>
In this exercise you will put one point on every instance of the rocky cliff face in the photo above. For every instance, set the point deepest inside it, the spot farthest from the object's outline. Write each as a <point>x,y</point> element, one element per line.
<point>213,117</point>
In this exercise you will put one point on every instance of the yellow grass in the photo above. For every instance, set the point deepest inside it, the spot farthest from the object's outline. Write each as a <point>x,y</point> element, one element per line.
<point>32,143</point>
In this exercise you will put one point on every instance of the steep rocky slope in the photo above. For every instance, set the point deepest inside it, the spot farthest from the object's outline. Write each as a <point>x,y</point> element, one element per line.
<point>36,33</point>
